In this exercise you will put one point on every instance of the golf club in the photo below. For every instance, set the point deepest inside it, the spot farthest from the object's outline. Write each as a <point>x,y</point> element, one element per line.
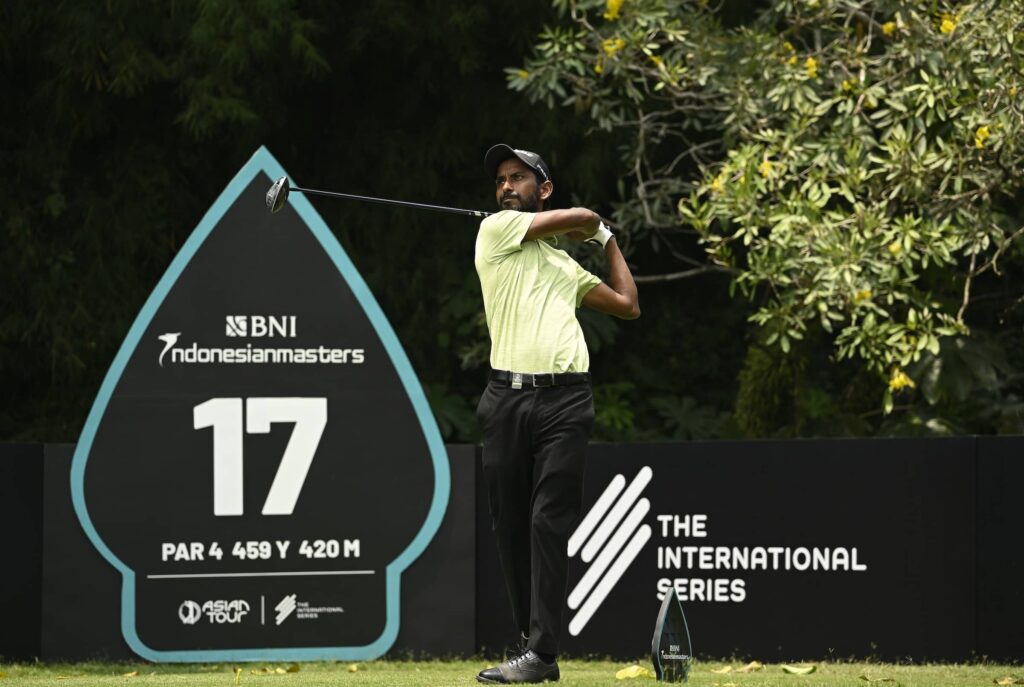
<point>278,195</point>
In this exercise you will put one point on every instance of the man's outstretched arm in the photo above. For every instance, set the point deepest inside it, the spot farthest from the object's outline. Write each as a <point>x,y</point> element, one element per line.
<point>556,222</point>
<point>618,297</point>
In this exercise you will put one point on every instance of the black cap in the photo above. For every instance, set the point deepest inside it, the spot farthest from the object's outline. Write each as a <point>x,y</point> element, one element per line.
<point>501,152</point>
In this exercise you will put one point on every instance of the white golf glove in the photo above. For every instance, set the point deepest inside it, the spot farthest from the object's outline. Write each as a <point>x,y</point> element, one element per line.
<point>601,236</point>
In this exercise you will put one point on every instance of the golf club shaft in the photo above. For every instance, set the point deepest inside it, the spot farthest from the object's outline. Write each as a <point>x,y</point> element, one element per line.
<point>385,201</point>
<point>405,203</point>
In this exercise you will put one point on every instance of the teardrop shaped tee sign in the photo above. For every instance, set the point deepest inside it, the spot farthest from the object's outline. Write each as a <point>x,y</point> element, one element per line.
<point>260,463</point>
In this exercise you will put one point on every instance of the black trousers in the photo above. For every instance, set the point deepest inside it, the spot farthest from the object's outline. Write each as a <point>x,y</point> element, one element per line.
<point>534,445</point>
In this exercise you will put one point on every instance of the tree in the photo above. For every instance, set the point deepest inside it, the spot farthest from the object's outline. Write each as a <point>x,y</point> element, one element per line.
<point>120,120</point>
<point>123,121</point>
<point>854,165</point>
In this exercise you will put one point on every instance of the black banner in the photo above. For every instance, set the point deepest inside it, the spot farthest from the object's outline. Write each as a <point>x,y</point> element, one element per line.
<point>260,463</point>
<point>934,523</point>
<point>778,549</point>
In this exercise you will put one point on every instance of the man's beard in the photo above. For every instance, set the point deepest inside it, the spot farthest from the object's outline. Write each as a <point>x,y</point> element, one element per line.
<point>530,203</point>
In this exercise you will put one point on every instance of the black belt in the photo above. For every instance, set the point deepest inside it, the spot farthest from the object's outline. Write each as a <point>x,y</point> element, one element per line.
<point>517,380</point>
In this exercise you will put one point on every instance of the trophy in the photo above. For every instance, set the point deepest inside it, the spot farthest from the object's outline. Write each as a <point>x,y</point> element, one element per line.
<point>671,651</point>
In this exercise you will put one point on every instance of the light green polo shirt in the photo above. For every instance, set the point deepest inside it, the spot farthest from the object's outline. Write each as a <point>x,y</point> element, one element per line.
<point>531,293</point>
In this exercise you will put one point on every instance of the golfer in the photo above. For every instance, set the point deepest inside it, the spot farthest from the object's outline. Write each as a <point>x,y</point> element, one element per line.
<point>537,411</point>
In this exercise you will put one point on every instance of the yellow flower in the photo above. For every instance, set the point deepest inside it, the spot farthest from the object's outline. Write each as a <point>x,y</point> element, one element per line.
<point>888,27</point>
<point>613,10</point>
<point>791,61</point>
<point>862,295</point>
<point>789,46</point>
<point>1013,91</point>
<point>948,23</point>
<point>717,185</point>
<point>811,65</point>
<point>900,380</point>
<point>847,85</point>
<point>979,136</point>
<point>895,248</point>
<point>612,45</point>
<point>523,74</point>
<point>765,168</point>
<point>599,67</point>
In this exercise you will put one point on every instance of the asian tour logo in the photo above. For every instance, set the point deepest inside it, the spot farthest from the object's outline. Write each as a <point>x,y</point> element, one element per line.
<point>190,612</point>
<point>609,538</point>
<point>218,612</point>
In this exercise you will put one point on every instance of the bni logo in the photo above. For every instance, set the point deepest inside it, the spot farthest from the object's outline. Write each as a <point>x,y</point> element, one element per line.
<point>260,326</point>
<point>610,538</point>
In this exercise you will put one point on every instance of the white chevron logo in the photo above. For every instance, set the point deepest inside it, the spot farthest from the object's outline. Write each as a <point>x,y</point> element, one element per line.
<point>169,341</point>
<point>614,523</point>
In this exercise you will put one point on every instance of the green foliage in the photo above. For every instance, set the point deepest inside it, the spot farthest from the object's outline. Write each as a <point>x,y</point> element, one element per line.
<point>765,400</point>
<point>102,183</point>
<point>130,119</point>
<point>455,417</point>
<point>613,414</point>
<point>124,120</point>
<point>686,418</point>
<point>970,383</point>
<point>855,165</point>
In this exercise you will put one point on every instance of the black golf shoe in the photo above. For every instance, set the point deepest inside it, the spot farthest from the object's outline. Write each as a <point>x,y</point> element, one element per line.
<point>526,668</point>
<point>520,648</point>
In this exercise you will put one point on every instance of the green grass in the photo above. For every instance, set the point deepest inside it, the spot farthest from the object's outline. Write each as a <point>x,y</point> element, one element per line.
<point>427,673</point>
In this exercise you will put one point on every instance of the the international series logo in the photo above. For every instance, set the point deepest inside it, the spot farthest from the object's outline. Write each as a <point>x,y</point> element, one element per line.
<point>609,538</point>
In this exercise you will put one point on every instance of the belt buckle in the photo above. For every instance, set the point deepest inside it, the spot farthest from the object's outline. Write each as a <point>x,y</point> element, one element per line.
<point>517,380</point>
<point>549,378</point>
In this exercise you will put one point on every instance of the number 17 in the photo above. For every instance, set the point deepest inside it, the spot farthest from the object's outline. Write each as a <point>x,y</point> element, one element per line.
<point>225,416</point>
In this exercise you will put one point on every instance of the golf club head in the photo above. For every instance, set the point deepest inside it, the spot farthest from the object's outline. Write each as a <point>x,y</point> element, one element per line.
<point>278,194</point>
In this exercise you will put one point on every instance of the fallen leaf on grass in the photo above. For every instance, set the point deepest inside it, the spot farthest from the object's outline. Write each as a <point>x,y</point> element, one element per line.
<point>751,667</point>
<point>134,673</point>
<point>876,679</point>
<point>1009,680</point>
<point>799,670</point>
<point>633,671</point>
<point>353,667</point>
<point>294,668</point>
<point>722,671</point>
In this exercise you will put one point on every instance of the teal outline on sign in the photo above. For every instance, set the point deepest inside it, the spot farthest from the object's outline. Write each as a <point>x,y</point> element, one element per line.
<point>263,161</point>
